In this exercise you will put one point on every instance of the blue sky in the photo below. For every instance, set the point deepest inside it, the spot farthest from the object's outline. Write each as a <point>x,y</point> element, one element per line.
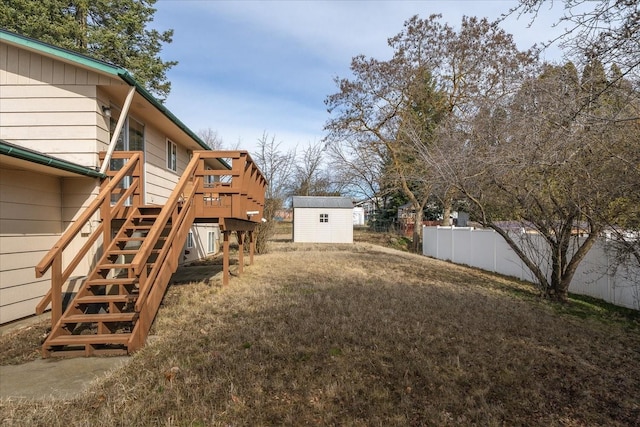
<point>248,67</point>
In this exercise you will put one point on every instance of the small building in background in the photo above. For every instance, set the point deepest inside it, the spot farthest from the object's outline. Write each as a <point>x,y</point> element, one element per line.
<point>358,217</point>
<point>322,219</point>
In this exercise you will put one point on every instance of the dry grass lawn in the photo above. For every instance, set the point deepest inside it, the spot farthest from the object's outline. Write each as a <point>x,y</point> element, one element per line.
<point>360,335</point>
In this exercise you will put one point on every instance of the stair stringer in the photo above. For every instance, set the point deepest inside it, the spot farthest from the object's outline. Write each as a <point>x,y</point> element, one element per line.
<point>149,309</point>
<point>58,330</point>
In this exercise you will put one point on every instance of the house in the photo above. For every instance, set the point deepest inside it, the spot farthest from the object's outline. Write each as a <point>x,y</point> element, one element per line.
<point>322,219</point>
<point>103,192</point>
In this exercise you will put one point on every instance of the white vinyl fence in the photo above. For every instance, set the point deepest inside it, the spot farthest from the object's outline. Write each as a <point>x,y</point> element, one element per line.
<point>599,275</point>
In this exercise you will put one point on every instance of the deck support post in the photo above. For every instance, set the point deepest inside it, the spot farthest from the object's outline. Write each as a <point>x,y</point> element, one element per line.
<point>225,257</point>
<point>56,290</point>
<point>252,247</point>
<point>240,235</point>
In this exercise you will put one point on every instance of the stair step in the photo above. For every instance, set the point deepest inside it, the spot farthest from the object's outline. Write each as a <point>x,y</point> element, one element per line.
<point>146,210</point>
<point>101,317</point>
<point>89,339</point>
<point>118,281</point>
<point>137,239</point>
<point>138,227</point>
<point>114,266</point>
<point>129,251</point>
<point>105,299</point>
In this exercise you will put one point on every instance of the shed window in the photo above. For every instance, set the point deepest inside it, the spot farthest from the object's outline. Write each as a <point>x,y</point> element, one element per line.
<point>324,217</point>
<point>172,156</point>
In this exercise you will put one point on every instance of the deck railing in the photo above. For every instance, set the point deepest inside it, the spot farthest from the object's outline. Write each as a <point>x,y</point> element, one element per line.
<point>121,188</point>
<point>237,192</point>
<point>225,187</point>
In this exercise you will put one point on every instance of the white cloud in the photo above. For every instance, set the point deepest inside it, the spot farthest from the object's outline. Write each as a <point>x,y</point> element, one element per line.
<point>248,67</point>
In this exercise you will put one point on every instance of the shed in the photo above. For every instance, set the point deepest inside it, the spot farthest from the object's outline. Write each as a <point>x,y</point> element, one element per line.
<point>322,219</point>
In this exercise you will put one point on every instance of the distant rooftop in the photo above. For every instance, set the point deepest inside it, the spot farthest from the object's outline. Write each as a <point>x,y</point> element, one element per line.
<point>322,202</point>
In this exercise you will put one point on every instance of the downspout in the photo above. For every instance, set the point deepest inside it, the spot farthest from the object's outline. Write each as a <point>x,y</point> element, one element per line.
<point>116,131</point>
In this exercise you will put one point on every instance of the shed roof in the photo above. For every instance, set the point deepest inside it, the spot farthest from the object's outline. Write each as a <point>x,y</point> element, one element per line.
<point>322,202</point>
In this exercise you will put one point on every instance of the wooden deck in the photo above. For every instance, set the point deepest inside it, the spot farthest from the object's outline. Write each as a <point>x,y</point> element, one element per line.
<point>114,309</point>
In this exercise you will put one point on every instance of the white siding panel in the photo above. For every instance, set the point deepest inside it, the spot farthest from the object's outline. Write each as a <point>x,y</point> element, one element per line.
<point>23,308</point>
<point>53,134</point>
<point>307,227</point>
<point>47,101</point>
<point>30,211</point>
<point>49,119</point>
<point>32,290</point>
<point>11,65</point>
<point>24,67</point>
<point>201,242</point>
<point>35,68</point>
<point>160,180</point>
<point>36,243</point>
<point>47,91</point>
<point>77,195</point>
<point>3,63</point>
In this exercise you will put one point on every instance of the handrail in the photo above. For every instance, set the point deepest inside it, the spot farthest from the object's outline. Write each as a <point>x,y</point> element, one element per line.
<point>150,240</point>
<point>86,215</point>
<point>178,222</point>
<point>53,258</point>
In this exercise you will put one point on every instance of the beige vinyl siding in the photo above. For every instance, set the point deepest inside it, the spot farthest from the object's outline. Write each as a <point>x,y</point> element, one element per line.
<point>160,180</point>
<point>308,228</point>
<point>30,224</point>
<point>77,194</point>
<point>52,107</point>
<point>35,209</point>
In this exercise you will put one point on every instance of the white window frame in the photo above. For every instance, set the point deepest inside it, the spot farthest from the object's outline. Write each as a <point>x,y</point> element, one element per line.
<point>211,242</point>
<point>324,218</point>
<point>172,156</point>
<point>190,240</point>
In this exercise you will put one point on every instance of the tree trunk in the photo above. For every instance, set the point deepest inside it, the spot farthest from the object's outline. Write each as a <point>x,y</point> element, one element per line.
<point>560,287</point>
<point>446,212</point>
<point>81,19</point>
<point>417,230</point>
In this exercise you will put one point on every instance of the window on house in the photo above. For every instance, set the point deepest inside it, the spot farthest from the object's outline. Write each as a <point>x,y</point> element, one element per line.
<point>172,156</point>
<point>324,217</point>
<point>131,138</point>
<point>190,240</point>
<point>209,179</point>
<point>211,247</point>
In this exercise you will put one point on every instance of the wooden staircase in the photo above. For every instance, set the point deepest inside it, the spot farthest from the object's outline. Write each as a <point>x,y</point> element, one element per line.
<point>102,318</point>
<point>116,305</point>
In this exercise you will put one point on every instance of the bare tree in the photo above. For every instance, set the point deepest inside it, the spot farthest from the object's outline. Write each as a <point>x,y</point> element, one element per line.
<point>359,172</point>
<point>595,29</point>
<point>278,168</point>
<point>311,178</point>
<point>528,164</point>
<point>210,137</point>
<point>437,75</point>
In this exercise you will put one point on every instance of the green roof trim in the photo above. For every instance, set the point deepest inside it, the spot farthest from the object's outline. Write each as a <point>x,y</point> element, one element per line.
<point>22,153</point>
<point>60,52</point>
<point>101,66</point>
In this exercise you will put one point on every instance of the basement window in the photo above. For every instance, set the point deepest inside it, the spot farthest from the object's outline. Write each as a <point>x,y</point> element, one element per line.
<point>172,156</point>
<point>324,217</point>
<point>190,240</point>
<point>212,242</point>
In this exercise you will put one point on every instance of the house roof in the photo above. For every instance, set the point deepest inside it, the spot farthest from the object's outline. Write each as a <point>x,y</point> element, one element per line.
<point>31,156</point>
<point>322,202</point>
<point>98,66</point>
